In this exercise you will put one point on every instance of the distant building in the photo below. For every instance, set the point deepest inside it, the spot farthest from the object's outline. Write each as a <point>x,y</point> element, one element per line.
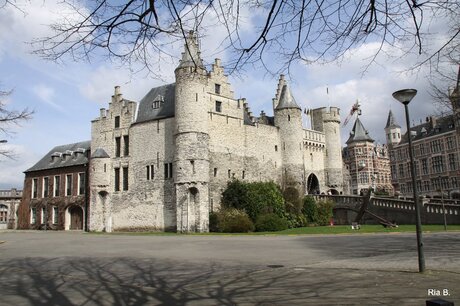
<point>9,203</point>
<point>436,147</point>
<point>55,192</point>
<point>368,164</point>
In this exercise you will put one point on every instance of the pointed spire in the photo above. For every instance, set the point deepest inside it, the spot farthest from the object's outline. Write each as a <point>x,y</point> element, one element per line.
<point>359,133</point>
<point>391,122</point>
<point>191,55</point>
<point>286,99</point>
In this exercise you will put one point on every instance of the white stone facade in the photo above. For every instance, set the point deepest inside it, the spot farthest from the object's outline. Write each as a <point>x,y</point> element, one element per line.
<point>165,162</point>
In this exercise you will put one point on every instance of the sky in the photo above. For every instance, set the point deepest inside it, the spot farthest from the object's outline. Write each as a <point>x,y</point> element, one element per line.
<point>66,97</point>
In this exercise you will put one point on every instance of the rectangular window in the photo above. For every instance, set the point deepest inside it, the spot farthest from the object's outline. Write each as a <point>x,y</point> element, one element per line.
<point>218,106</point>
<point>55,215</point>
<point>117,179</point>
<point>46,187</point>
<point>68,185</point>
<point>125,178</point>
<point>81,183</point>
<point>215,172</point>
<point>57,186</point>
<point>33,215</point>
<point>117,146</point>
<point>43,216</point>
<point>424,166</point>
<point>150,172</point>
<point>452,162</point>
<point>229,173</point>
<point>117,122</point>
<point>34,188</point>
<point>217,89</point>
<point>126,145</point>
<point>168,170</point>
<point>437,164</point>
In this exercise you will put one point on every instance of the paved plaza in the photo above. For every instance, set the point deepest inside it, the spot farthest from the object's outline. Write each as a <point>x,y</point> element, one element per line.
<point>77,268</point>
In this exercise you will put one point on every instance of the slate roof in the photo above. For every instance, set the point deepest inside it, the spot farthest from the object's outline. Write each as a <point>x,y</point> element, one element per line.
<point>99,153</point>
<point>443,125</point>
<point>69,152</point>
<point>286,99</point>
<point>391,121</point>
<point>146,112</point>
<point>359,133</point>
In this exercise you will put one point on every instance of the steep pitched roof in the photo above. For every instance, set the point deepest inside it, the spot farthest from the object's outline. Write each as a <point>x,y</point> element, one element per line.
<point>99,153</point>
<point>391,121</point>
<point>165,95</point>
<point>73,154</point>
<point>426,129</point>
<point>359,133</point>
<point>286,99</point>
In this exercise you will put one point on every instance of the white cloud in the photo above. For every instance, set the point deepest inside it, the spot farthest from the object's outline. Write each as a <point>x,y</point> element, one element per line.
<point>46,94</point>
<point>12,169</point>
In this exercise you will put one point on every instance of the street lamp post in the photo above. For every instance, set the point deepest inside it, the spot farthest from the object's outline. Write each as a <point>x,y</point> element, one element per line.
<point>405,96</point>
<point>442,202</point>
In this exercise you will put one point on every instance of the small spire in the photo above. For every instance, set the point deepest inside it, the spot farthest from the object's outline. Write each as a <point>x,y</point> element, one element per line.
<point>391,122</point>
<point>286,99</point>
<point>191,55</point>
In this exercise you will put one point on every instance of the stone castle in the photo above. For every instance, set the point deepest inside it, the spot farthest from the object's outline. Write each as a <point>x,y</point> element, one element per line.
<point>163,165</point>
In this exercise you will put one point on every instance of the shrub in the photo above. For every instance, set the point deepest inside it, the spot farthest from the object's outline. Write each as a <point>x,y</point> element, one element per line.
<point>254,198</point>
<point>294,220</point>
<point>270,223</point>
<point>310,210</point>
<point>264,198</point>
<point>235,195</point>
<point>325,213</point>
<point>213,222</point>
<point>293,201</point>
<point>232,220</point>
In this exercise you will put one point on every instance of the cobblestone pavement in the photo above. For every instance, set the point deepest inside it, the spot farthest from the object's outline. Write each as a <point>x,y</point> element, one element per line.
<point>75,268</point>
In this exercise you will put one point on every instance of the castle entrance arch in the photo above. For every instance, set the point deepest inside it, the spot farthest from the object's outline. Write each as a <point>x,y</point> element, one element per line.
<point>312,184</point>
<point>76,218</point>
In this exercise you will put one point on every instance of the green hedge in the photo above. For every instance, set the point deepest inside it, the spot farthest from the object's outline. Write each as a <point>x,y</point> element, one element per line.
<point>270,223</point>
<point>230,220</point>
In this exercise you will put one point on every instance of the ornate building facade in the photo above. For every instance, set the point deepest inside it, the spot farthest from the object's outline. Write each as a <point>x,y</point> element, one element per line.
<point>368,163</point>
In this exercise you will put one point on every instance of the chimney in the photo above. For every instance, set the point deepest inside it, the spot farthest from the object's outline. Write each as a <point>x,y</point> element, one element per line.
<point>103,113</point>
<point>433,122</point>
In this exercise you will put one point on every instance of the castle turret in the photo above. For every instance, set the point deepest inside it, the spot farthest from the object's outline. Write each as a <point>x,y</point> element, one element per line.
<point>191,160</point>
<point>327,120</point>
<point>392,130</point>
<point>288,118</point>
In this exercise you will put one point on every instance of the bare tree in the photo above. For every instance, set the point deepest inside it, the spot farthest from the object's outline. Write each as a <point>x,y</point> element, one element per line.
<point>8,118</point>
<point>285,31</point>
<point>443,82</point>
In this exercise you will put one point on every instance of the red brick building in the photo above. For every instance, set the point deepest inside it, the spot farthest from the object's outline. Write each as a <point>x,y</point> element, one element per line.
<point>55,195</point>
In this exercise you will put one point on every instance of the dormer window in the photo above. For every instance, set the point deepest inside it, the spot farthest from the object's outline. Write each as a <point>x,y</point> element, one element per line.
<point>158,102</point>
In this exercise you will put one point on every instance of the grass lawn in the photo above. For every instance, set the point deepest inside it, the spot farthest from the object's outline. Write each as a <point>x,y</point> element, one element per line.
<point>323,230</point>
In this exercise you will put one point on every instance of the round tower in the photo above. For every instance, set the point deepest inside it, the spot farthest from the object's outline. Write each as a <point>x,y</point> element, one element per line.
<point>327,120</point>
<point>191,156</point>
<point>288,118</point>
<point>392,131</point>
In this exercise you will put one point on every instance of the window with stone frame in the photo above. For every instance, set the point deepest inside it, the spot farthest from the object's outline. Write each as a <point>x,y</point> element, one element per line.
<point>219,106</point>
<point>33,215</point>
<point>117,122</point>
<point>437,164</point>
<point>424,166</point>
<point>125,178</point>
<point>55,215</point>
<point>217,88</point>
<point>46,187</point>
<point>452,161</point>
<point>57,186</point>
<point>3,213</point>
<point>168,170</point>
<point>126,145</point>
<point>34,188</point>
<point>117,146</point>
<point>450,142</point>
<point>117,179</point>
<point>81,183</point>
<point>150,172</point>
<point>68,185</point>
